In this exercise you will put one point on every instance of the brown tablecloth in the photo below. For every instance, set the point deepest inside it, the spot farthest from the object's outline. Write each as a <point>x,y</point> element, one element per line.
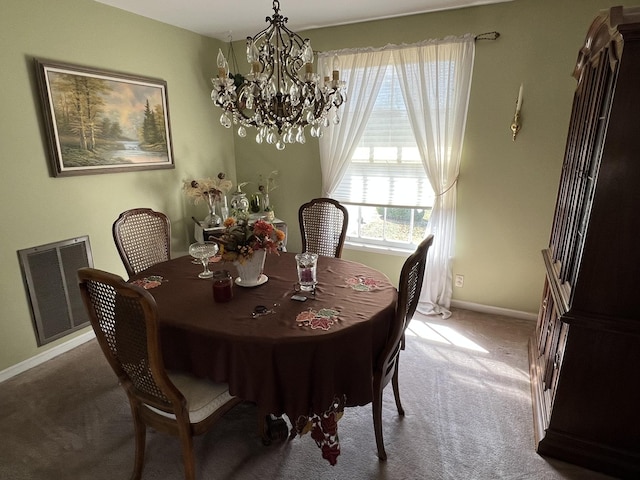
<point>272,360</point>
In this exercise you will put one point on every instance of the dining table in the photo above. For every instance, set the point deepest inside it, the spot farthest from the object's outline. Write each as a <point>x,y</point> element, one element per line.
<point>303,359</point>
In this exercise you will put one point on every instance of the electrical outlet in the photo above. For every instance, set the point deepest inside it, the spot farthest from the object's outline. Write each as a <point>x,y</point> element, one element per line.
<point>459,281</point>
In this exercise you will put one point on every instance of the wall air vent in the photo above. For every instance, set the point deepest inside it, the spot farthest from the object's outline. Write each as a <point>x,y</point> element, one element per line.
<point>52,285</point>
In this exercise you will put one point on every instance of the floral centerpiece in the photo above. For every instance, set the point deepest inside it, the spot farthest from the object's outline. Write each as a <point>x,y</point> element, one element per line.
<point>212,191</point>
<point>241,240</point>
<point>246,245</point>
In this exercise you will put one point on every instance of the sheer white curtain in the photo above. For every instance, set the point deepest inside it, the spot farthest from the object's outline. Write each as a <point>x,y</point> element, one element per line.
<point>436,80</point>
<point>363,71</point>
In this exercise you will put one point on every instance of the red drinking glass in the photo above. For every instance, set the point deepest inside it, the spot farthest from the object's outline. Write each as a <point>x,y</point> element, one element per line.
<point>222,286</point>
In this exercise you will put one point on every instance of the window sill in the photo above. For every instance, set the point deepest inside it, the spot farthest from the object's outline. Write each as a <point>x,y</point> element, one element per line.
<point>381,249</point>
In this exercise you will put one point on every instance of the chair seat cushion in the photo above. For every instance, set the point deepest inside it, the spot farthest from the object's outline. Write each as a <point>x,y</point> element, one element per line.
<point>203,396</point>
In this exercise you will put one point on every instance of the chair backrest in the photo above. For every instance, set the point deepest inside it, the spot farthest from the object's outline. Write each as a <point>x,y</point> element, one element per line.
<point>323,226</point>
<point>124,319</point>
<point>409,287</point>
<point>143,238</point>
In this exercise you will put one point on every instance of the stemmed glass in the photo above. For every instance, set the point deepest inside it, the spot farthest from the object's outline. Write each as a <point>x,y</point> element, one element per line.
<point>203,251</point>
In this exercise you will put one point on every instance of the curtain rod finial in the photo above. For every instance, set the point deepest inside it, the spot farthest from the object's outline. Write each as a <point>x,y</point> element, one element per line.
<point>488,36</point>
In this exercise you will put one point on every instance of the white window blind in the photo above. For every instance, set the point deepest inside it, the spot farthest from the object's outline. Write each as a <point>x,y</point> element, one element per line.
<point>386,168</point>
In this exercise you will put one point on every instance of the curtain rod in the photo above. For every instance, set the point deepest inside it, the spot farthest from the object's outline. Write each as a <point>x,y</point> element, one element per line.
<point>480,36</point>
<point>488,36</point>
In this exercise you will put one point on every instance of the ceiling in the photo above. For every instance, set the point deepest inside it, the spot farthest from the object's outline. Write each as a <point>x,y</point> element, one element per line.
<point>225,19</point>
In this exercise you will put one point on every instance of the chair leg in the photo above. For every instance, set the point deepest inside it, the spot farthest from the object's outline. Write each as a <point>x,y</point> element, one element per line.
<point>263,427</point>
<point>188,457</point>
<point>140,433</point>
<point>396,389</point>
<point>377,421</point>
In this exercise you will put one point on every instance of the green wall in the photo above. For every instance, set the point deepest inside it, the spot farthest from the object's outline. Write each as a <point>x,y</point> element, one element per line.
<point>506,190</point>
<point>37,209</point>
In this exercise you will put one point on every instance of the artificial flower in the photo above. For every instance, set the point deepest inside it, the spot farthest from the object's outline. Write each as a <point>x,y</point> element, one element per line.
<point>207,189</point>
<point>265,186</point>
<point>241,239</point>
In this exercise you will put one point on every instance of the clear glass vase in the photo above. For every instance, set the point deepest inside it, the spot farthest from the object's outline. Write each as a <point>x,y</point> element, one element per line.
<point>212,219</point>
<point>266,208</point>
<point>221,207</point>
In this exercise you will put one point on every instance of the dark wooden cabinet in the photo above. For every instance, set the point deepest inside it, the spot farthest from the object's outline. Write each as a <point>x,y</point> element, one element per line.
<point>585,353</point>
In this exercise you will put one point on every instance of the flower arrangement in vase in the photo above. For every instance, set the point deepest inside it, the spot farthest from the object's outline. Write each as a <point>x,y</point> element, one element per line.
<point>213,192</point>
<point>242,239</point>
<point>246,245</point>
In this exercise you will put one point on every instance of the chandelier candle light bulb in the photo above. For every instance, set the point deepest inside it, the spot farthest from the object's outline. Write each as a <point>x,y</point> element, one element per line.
<point>336,70</point>
<point>222,65</point>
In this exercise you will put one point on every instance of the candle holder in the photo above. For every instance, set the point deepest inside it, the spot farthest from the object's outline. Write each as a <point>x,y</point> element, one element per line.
<point>515,123</point>
<point>222,286</point>
<point>307,264</point>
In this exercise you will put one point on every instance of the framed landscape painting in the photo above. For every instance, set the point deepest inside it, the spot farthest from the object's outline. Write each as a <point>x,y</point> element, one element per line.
<point>100,122</point>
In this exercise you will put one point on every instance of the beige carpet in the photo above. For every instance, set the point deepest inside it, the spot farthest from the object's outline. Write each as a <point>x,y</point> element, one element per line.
<point>464,385</point>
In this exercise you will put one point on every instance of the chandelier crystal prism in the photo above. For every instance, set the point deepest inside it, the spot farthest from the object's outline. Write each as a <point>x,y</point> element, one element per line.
<point>281,94</point>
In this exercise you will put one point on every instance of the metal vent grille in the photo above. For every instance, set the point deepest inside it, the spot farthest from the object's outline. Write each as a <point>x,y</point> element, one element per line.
<point>52,285</point>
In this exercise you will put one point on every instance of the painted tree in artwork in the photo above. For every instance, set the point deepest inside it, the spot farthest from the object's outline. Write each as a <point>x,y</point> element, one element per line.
<point>149,131</point>
<point>153,131</point>
<point>160,126</point>
<point>78,104</point>
<point>110,129</point>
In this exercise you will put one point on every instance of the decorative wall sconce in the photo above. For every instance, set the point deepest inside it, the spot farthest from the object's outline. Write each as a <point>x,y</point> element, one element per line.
<point>515,124</point>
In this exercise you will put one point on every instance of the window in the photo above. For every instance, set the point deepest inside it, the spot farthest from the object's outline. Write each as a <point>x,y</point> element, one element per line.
<point>385,188</point>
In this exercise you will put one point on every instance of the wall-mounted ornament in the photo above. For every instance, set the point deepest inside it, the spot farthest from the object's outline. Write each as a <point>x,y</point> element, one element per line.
<point>515,123</point>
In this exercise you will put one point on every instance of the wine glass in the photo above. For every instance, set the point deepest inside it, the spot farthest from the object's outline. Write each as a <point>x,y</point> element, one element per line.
<point>203,251</point>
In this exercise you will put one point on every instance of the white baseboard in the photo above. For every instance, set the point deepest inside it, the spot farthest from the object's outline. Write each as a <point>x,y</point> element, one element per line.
<point>45,356</point>
<point>476,307</point>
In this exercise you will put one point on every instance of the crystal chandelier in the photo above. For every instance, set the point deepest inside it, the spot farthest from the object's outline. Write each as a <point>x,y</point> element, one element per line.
<point>281,94</point>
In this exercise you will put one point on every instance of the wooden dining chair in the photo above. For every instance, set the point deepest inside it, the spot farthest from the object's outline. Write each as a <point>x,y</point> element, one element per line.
<point>323,226</point>
<point>143,238</point>
<point>124,319</point>
<point>410,285</point>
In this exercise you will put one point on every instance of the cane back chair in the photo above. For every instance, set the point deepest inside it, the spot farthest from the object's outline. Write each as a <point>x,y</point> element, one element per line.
<point>323,226</point>
<point>124,319</point>
<point>143,238</point>
<point>409,287</point>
